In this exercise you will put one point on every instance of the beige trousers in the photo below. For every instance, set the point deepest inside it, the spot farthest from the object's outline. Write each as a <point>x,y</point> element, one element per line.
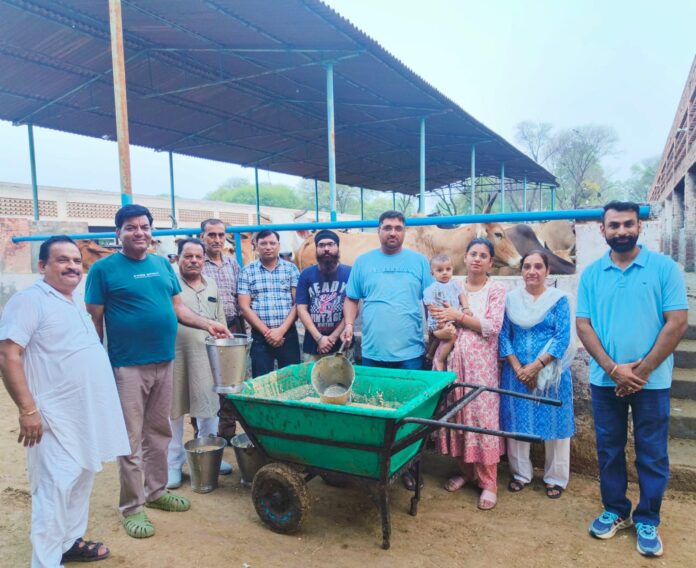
<point>146,399</point>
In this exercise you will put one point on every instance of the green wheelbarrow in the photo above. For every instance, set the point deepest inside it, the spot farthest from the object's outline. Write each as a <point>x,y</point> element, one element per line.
<point>374,439</point>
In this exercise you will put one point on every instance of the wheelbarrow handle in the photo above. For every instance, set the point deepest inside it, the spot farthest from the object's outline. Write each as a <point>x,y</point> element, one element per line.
<point>464,428</point>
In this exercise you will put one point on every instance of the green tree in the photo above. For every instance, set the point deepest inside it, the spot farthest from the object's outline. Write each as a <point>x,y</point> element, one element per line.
<point>271,195</point>
<point>643,173</point>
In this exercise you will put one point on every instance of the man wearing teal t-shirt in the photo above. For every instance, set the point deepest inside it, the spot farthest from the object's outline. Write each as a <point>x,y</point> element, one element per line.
<point>631,314</point>
<point>139,297</point>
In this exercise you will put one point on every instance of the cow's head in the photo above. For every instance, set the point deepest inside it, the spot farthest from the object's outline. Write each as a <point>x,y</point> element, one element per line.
<point>505,252</point>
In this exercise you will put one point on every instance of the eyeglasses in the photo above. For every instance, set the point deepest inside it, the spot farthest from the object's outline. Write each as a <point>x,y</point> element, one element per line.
<point>327,245</point>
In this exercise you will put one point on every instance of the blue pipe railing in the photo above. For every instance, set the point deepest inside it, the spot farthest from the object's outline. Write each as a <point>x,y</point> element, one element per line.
<point>572,214</point>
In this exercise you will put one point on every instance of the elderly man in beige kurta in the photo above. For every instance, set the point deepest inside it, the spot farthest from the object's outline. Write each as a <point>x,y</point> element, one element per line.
<point>193,380</point>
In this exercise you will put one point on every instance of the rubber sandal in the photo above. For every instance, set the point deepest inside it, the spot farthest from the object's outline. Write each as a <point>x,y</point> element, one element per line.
<point>516,486</point>
<point>138,525</point>
<point>488,500</point>
<point>455,483</point>
<point>168,501</point>
<point>84,551</point>
<point>551,488</point>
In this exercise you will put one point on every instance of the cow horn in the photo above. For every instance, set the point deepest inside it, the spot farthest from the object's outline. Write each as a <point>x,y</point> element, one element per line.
<point>489,204</point>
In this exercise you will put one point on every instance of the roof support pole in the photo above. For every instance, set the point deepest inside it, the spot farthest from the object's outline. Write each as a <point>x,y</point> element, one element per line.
<point>32,165</point>
<point>473,179</point>
<point>238,249</point>
<point>331,128</point>
<point>120,100</point>
<point>541,196</point>
<point>421,195</point>
<point>316,201</point>
<point>362,207</point>
<point>394,200</point>
<point>524,193</point>
<point>171,189</point>
<point>258,199</point>
<point>553,198</point>
<point>502,187</point>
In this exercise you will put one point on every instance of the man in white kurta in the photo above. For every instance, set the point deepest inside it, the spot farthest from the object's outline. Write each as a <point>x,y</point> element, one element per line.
<point>57,372</point>
<point>193,380</point>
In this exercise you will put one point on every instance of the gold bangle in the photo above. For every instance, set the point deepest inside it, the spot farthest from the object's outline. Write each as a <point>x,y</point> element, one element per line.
<point>611,373</point>
<point>30,413</point>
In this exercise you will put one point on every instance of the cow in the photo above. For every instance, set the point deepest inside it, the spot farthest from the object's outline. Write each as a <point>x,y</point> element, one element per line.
<point>557,236</point>
<point>428,240</point>
<point>525,241</point>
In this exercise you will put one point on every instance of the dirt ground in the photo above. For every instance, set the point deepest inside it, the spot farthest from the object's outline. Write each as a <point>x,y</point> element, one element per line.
<point>343,528</point>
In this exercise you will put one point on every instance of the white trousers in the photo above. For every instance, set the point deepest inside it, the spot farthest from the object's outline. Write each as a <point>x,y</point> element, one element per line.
<point>556,466</point>
<point>60,491</point>
<point>176,455</point>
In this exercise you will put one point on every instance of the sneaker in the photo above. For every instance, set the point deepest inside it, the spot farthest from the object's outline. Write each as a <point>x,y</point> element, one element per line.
<point>649,542</point>
<point>173,478</point>
<point>606,525</point>
<point>225,468</point>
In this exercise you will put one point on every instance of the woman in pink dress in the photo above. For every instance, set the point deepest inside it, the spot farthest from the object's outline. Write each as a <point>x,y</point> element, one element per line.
<point>474,359</point>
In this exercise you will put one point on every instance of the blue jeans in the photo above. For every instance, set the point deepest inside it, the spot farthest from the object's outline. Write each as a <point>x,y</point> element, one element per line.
<point>415,364</point>
<point>650,410</point>
<point>263,356</point>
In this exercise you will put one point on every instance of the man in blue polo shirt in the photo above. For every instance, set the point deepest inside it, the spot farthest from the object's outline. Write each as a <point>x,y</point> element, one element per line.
<point>631,314</point>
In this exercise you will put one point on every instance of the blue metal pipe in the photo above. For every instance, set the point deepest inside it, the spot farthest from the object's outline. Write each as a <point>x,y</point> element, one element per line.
<point>421,195</point>
<point>473,179</point>
<point>362,206</point>
<point>573,214</point>
<point>316,201</point>
<point>238,249</point>
<point>258,198</point>
<point>32,164</point>
<point>331,128</point>
<point>502,187</point>
<point>524,192</point>
<point>171,188</point>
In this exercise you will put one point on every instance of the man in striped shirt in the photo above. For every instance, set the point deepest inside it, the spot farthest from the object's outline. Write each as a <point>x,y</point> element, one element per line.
<point>266,295</point>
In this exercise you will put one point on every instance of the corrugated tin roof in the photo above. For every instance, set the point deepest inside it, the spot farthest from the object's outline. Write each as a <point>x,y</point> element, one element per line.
<point>242,81</point>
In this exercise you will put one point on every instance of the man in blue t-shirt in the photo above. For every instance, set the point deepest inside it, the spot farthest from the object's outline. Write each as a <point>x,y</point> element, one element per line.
<point>321,291</point>
<point>139,297</point>
<point>390,281</point>
<point>631,314</point>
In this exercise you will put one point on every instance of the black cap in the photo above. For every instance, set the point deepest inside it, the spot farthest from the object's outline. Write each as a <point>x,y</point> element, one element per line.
<point>326,234</point>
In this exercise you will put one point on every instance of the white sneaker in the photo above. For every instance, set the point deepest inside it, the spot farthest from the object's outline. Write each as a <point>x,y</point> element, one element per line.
<point>173,478</point>
<point>225,468</point>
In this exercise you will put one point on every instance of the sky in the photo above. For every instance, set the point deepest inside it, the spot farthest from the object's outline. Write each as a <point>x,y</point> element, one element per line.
<point>618,63</point>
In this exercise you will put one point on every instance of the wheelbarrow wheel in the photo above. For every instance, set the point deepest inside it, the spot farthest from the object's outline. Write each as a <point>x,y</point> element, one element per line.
<point>280,497</point>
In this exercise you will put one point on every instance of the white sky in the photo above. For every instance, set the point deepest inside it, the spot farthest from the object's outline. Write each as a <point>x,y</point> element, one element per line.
<point>619,63</point>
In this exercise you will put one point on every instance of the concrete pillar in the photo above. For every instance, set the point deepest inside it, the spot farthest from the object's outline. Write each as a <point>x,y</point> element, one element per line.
<point>677,221</point>
<point>690,221</point>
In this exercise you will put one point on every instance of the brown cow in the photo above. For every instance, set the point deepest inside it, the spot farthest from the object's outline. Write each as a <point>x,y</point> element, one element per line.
<point>428,240</point>
<point>557,236</point>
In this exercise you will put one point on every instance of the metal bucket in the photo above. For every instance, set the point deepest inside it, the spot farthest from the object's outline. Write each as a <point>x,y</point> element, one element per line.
<point>249,458</point>
<point>332,378</point>
<point>228,359</point>
<point>204,456</point>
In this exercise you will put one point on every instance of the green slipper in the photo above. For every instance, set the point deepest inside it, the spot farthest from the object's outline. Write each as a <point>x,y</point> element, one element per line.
<point>138,525</point>
<point>168,501</point>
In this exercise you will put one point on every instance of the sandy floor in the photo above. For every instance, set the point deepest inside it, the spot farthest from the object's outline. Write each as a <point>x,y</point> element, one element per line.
<point>343,529</point>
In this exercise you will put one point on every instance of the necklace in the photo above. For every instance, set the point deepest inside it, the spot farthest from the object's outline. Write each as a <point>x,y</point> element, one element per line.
<point>471,289</point>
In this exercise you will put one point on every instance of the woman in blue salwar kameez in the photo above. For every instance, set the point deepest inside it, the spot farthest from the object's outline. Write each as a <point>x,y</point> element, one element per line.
<point>537,344</point>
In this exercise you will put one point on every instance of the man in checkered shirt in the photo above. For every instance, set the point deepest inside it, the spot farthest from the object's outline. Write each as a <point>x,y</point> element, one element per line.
<point>266,295</point>
<point>224,270</point>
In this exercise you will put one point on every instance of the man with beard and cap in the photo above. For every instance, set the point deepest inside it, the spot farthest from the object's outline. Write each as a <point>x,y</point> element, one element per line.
<point>321,291</point>
<point>631,314</point>
<point>267,301</point>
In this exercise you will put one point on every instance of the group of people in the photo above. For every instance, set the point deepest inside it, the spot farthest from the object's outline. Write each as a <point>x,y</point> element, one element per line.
<point>79,407</point>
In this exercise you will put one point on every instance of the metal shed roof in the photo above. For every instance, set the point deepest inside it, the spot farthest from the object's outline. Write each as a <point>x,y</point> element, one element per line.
<point>244,82</point>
